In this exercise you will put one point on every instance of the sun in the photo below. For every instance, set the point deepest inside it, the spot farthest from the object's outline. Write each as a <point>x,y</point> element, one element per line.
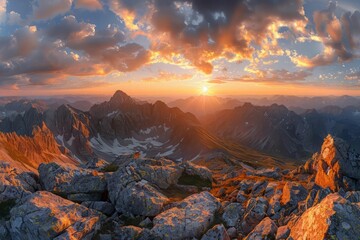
<point>204,90</point>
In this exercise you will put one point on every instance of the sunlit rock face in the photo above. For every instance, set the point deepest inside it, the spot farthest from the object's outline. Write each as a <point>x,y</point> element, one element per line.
<point>15,184</point>
<point>338,165</point>
<point>44,215</point>
<point>334,218</point>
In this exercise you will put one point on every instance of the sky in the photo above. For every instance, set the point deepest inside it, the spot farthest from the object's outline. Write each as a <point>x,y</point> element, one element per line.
<point>179,48</point>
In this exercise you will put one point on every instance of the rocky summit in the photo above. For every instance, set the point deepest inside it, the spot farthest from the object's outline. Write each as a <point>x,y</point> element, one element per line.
<point>70,179</point>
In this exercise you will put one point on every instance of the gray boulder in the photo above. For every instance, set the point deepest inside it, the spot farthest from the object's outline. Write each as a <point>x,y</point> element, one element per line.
<point>195,170</point>
<point>189,218</point>
<point>44,215</point>
<point>232,214</point>
<point>140,198</point>
<point>255,211</point>
<point>74,183</point>
<point>132,195</point>
<point>218,232</point>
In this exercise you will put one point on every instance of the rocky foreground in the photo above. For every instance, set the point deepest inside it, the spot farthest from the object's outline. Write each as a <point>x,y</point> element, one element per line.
<point>136,198</point>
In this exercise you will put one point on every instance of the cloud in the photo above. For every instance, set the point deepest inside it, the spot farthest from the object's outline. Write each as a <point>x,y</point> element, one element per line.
<point>217,81</point>
<point>203,31</point>
<point>164,76</point>
<point>14,18</point>
<point>66,48</point>
<point>45,9</point>
<point>337,35</point>
<point>353,76</point>
<point>267,77</point>
<point>89,4</point>
<point>2,11</point>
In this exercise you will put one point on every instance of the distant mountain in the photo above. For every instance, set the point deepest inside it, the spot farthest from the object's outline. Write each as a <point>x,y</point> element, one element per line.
<point>124,125</point>
<point>296,102</point>
<point>278,131</point>
<point>204,105</point>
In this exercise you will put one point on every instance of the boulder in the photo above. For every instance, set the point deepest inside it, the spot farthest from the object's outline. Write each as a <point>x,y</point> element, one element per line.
<point>338,165</point>
<point>218,232</point>
<point>140,198</point>
<point>255,211</point>
<point>15,184</point>
<point>128,232</point>
<point>333,218</point>
<point>103,207</point>
<point>282,233</point>
<point>195,170</point>
<point>241,197</point>
<point>132,195</point>
<point>76,184</point>
<point>293,192</point>
<point>265,230</point>
<point>232,214</point>
<point>189,218</point>
<point>258,188</point>
<point>44,215</point>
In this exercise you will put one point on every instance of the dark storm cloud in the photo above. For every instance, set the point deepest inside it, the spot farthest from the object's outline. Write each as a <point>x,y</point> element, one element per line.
<point>202,31</point>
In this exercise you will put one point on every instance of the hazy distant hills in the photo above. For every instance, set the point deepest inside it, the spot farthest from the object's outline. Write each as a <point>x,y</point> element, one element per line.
<point>279,131</point>
<point>203,105</point>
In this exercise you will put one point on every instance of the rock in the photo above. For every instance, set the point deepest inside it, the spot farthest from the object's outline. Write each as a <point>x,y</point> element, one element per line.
<point>15,184</point>
<point>232,232</point>
<point>258,188</point>
<point>221,192</point>
<point>282,233</point>
<point>161,172</point>
<point>75,184</point>
<point>265,230</point>
<point>269,173</point>
<point>140,198</point>
<point>146,223</point>
<point>315,196</point>
<point>353,197</point>
<point>128,232</point>
<point>218,232</point>
<point>240,197</point>
<point>132,195</point>
<point>195,170</point>
<point>255,211</point>
<point>337,165</point>
<point>103,207</point>
<point>44,215</point>
<point>190,218</point>
<point>232,214</point>
<point>246,185</point>
<point>293,193</point>
<point>4,232</point>
<point>275,208</point>
<point>271,189</point>
<point>333,218</point>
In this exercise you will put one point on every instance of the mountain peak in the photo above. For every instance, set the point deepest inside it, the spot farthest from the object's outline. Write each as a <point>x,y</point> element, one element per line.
<point>121,97</point>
